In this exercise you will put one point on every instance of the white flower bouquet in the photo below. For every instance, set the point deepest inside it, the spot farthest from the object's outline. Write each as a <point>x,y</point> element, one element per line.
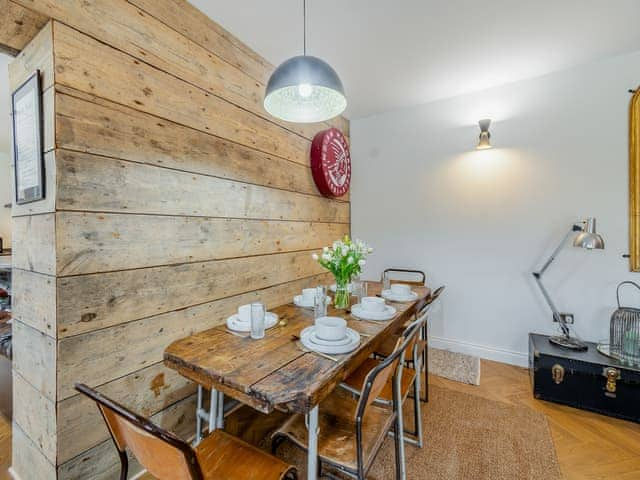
<point>345,259</point>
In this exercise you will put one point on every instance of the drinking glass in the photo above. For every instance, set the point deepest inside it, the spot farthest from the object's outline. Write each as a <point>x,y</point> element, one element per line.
<point>364,288</point>
<point>356,289</point>
<point>257,320</point>
<point>320,303</point>
<point>359,290</point>
<point>386,281</point>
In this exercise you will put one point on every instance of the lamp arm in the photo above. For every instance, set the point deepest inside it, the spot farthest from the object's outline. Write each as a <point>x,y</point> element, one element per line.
<point>574,228</point>
<point>577,227</point>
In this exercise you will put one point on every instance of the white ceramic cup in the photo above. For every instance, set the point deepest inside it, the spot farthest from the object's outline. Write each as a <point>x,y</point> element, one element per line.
<point>308,295</point>
<point>331,328</point>
<point>373,304</point>
<point>244,313</point>
<point>400,289</point>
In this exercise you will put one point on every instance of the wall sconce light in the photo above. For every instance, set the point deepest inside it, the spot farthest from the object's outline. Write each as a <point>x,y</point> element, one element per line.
<point>485,136</point>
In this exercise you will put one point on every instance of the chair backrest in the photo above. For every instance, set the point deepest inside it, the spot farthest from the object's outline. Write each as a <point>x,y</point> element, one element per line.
<point>424,307</point>
<point>164,455</point>
<point>377,378</point>
<point>421,278</point>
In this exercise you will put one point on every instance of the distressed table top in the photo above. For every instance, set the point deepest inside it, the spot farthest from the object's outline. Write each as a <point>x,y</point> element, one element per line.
<point>274,373</point>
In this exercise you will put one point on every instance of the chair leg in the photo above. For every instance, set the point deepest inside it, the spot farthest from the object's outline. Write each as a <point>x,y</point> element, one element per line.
<point>425,367</point>
<point>276,442</point>
<point>124,465</point>
<point>398,445</point>
<point>417,411</point>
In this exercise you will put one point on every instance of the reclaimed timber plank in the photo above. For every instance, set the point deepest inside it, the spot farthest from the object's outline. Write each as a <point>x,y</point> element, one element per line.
<point>36,416</point>
<point>36,55</point>
<point>93,67</point>
<point>99,356</point>
<point>18,26</point>
<point>88,302</point>
<point>105,128</point>
<point>27,460</point>
<point>34,358</point>
<point>99,242</point>
<point>34,300</point>
<point>90,183</point>
<point>35,236</point>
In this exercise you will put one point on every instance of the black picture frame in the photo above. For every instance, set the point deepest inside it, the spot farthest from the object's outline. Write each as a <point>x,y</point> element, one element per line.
<point>27,135</point>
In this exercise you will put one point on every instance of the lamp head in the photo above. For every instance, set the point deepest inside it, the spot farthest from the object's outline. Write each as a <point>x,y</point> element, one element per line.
<point>588,238</point>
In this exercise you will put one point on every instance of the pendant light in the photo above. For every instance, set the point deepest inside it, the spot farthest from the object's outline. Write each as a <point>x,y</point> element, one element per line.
<point>304,89</point>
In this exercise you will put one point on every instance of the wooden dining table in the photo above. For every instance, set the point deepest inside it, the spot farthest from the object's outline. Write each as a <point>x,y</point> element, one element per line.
<point>277,372</point>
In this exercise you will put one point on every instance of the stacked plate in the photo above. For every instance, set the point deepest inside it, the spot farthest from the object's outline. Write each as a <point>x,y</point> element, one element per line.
<point>373,308</point>
<point>241,321</point>
<point>400,293</point>
<point>330,335</point>
<point>306,301</point>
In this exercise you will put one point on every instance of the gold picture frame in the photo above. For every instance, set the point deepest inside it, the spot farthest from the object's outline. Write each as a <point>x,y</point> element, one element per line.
<point>634,182</point>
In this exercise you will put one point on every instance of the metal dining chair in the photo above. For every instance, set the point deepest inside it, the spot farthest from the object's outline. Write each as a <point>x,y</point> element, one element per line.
<point>410,380</point>
<point>167,457</point>
<point>402,273</point>
<point>352,430</point>
<point>422,352</point>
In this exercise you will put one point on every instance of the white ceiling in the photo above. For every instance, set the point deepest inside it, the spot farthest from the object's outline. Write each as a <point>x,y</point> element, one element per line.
<point>391,54</point>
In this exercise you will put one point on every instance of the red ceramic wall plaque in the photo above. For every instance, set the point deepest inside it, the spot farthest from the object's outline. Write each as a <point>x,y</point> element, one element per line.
<point>331,163</point>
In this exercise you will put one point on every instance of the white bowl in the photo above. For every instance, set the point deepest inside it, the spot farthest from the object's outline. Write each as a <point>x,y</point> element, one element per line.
<point>373,304</point>
<point>331,328</point>
<point>244,313</point>
<point>401,289</point>
<point>309,294</point>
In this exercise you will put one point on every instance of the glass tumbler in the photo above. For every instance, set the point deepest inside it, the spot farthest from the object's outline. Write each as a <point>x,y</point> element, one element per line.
<point>320,303</point>
<point>364,288</point>
<point>257,320</point>
<point>386,281</point>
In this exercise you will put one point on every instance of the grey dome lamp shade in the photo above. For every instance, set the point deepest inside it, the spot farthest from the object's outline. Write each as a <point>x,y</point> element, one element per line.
<point>304,89</point>
<point>588,238</point>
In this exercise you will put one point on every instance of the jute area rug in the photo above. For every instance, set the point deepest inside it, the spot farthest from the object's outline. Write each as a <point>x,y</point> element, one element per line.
<point>468,438</point>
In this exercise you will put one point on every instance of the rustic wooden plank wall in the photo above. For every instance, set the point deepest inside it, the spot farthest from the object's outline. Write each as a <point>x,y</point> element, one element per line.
<point>174,198</point>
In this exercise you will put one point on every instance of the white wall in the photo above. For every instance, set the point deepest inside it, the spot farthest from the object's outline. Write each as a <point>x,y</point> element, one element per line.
<point>480,221</point>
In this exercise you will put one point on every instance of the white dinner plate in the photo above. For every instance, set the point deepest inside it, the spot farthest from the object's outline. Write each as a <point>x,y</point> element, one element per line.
<point>352,335</point>
<point>313,337</point>
<point>389,295</point>
<point>359,312</point>
<point>234,323</point>
<point>298,302</point>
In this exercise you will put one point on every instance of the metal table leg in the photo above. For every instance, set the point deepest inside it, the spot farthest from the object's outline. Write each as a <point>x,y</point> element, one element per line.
<point>213,410</point>
<point>220,415</point>
<point>199,411</point>
<point>312,454</point>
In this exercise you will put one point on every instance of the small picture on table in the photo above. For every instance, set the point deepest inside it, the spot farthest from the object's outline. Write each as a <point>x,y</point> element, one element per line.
<point>26,105</point>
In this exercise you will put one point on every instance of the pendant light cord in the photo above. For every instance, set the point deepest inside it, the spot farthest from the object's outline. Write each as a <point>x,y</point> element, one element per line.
<point>304,27</point>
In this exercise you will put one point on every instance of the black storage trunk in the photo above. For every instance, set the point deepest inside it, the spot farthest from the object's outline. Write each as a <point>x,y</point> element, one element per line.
<point>587,380</point>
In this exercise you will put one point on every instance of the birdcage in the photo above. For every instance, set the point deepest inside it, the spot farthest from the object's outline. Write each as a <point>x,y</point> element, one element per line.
<point>624,336</point>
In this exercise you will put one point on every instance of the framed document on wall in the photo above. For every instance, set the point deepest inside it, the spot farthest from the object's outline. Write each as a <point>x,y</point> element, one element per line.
<point>26,105</point>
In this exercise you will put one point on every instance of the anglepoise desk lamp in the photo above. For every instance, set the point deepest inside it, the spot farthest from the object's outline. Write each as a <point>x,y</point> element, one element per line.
<point>586,238</point>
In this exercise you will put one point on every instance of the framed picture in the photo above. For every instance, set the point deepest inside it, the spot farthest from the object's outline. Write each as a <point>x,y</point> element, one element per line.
<point>26,105</point>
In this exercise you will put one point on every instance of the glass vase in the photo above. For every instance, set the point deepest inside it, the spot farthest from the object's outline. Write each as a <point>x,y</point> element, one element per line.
<point>342,298</point>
